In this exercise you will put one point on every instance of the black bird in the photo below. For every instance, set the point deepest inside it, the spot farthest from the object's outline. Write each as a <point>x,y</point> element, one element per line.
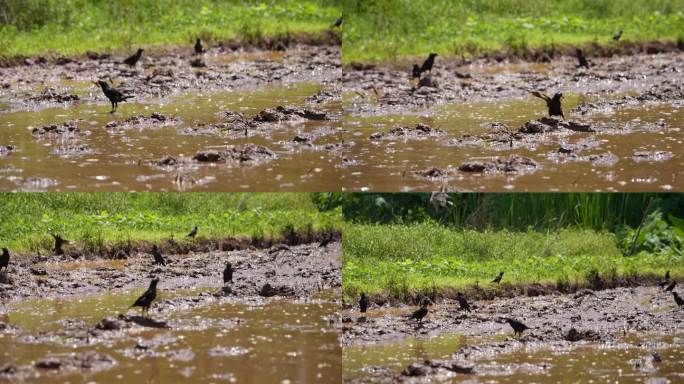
<point>416,72</point>
<point>671,286</point>
<point>4,259</point>
<point>518,327</point>
<point>678,299</point>
<point>133,60</point>
<point>59,242</point>
<point>363,303</point>
<point>114,95</point>
<point>228,273</point>
<point>148,297</point>
<point>337,23</point>
<point>665,281</point>
<point>193,233</point>
<point>463,302</point>
<point>158,258</point>
<point>421,312</point>
<point>617,36</point>
<point>326,240</point>
<point>498,278</point>
<point>198,47</point>
<point>553,103</point>
<point>429,62</point>
<point>582,59</point>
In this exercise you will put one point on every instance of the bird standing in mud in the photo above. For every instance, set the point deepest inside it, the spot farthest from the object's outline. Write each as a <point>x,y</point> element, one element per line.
<point>363,303</point>
<point>228,273</point>
<point>326,240</point>
<point>463,302</point>
<point>114,95</point>
<point>428,63</point>
<point>518,327</point>
<point>583,62</point>
<point>498,278</point>
<point>677,299</point>
<point>4,259</point>
<point>148,297</point>
<point>59,242</point>
<point>198,47</point>
<point>553,103</point>
<point>158,258</point>
<point>193,233</point>
<point>672,286</point>
<point>133,59</point>
<point>665,281</point>
<point>421,312</point>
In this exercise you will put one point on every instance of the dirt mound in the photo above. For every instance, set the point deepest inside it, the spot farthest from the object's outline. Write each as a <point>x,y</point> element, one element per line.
<point>417,132</point>
<point>510,164</point>
<point>248,153</point>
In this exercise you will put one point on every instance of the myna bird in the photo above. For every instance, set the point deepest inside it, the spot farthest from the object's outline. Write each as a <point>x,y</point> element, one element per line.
<point>4,259</point>
<point>158,258</point>
<point>363,303</point>
<point>553,103</point>
<point>228,273</point>
<point>148,297</point>
<point>617,36</point>
<point>498,278</point>
<point>114,95</point>
<point>337,23</point>
<point>198,47</point>
<point>193,233</point>
<point>421,312</point>
<point>429,62</point>
<point>582,59</point>
<point>672,286</point>
<point>677,299</point>
<point>518,327</point>
<point>463,302</point>
<point>133,59</point>
<point>59,242</point>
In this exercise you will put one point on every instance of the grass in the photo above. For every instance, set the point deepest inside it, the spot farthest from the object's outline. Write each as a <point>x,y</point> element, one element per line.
<point>69,27</point>
<point>93,220</point>
<point>402,261</point>
<point>392,29</point>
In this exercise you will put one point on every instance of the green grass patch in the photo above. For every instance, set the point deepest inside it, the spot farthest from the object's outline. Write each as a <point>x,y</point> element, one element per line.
<point>391,29</point>
<point>407,260</point>
<point>93,220</point>
<point>68,27</point>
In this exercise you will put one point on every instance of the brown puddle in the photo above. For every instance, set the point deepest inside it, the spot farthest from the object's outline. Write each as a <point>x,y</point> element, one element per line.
<point>630,360</point>
<point>119,160</point>
<point>224,341</point>
<point>389,165</point>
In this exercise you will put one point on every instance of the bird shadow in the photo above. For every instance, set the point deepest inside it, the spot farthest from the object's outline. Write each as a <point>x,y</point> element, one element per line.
<point>147,322</point>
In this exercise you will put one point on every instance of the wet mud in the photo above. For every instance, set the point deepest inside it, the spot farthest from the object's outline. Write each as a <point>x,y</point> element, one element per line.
<point>69,318</point>
<point>617,113</point>
<point>481,344</point>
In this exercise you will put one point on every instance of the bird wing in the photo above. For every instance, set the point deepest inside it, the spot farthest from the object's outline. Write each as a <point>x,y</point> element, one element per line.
<point>541,95</point>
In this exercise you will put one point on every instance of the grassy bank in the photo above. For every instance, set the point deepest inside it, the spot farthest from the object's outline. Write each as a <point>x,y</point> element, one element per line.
<point>94,220</point>
<point>31,27</point>
<point>390,29</point>
<point>402,261</point>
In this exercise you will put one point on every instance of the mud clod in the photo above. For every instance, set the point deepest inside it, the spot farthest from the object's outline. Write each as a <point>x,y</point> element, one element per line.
<point>417,132</point>
<point>652,156</point>
<point>511,164</point>
<point>66,128</point>
<point>248,153</point>
<point>281,113</point>
<point>51,95</point>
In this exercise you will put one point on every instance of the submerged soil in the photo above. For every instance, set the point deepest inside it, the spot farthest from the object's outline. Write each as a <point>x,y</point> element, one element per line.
<point>71,318</point>
<point>600,319</point>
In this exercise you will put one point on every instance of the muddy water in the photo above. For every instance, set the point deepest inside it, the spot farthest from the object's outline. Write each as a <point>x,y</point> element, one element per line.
<point>630,360</point>
<point>225,341</point>
<point>118,160</point>
<point>386,165</point>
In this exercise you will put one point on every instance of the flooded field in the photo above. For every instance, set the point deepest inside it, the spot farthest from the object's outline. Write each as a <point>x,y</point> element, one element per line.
<point>272,116</point>
<point>224,341</point>
<point>480,129</point>
<point>638,358</point>
<point>634,333</point>
<point>71,320</point>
